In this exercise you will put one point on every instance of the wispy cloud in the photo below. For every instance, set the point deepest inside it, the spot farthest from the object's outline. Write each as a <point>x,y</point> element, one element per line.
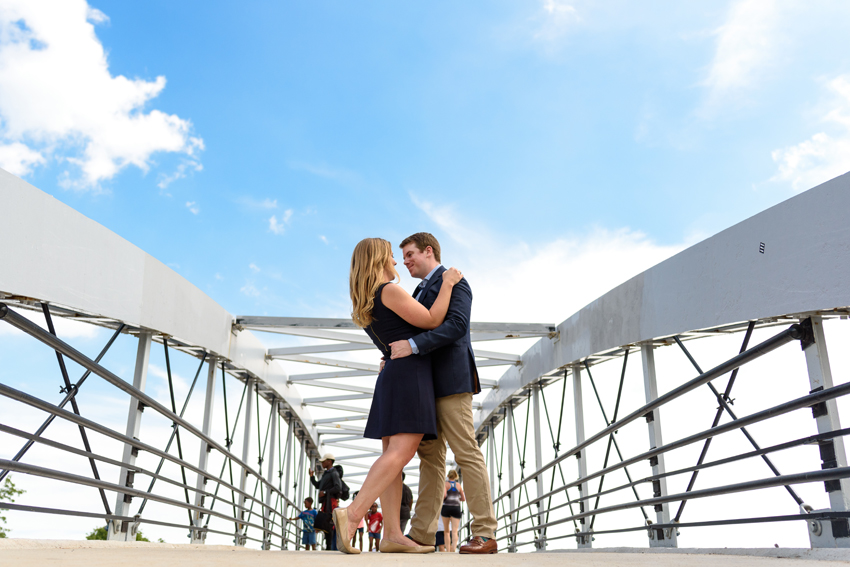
<point>745,45</point>
<point>823,156</point>
<point>279,226</point>
<point>189,164</point>
<point>250,290</point>
<point>324,238</point>
<point>556,18</point>
<point>257,204</point>
<point>193,207</point>
<point>605,258</point>
<point>59,100</point>
<point>326,171</point>
<point>254,268</point>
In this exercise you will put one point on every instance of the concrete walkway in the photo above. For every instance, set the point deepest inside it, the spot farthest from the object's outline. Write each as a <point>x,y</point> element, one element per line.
<point>23,552</point>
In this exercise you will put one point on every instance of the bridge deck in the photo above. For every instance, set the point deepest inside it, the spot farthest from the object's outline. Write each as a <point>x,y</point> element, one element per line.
<point>20,552</point>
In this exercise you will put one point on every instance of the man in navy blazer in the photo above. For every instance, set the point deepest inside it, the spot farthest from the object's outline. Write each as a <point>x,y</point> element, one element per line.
<point>455,382</point>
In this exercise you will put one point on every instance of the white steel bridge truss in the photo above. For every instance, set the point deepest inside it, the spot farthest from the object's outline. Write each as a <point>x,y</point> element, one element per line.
<point>771,280</point>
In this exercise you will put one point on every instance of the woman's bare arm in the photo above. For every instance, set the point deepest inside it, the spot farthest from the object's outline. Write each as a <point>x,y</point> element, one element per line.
<point>414,312</point>
<point>462,495</point>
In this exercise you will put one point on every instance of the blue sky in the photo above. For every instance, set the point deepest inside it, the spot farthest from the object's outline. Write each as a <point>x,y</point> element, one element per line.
<point>525,123</point>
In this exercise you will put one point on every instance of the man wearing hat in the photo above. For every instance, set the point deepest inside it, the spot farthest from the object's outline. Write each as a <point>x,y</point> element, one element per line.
<point>329,487</point>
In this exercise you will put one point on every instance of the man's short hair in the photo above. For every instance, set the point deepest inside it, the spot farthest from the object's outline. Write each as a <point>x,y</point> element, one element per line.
<point>423,240</point>
<point>309,499</point>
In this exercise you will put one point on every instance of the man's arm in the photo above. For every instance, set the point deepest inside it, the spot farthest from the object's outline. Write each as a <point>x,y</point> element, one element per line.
<point>454,327</point>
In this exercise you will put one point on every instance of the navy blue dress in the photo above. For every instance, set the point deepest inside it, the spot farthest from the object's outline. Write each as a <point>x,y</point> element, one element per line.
<point>404,393</point>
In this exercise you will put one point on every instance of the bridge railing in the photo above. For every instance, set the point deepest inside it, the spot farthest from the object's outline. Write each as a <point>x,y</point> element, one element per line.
<point>547,503</point>
<point>219,493</point>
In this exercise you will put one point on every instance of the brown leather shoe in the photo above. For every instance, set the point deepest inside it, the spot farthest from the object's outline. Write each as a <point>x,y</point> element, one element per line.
<point>478,546</point>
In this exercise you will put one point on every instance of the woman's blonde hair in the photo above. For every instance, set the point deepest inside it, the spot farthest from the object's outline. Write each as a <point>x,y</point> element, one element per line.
<point>372,257</point>
<point>453,475</point>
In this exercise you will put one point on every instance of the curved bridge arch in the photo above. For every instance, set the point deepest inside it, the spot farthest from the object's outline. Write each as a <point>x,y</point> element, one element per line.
<point>714,286</point>
<point>56,255</point>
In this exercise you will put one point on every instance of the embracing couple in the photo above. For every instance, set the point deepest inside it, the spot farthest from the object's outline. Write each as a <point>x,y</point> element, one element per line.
<point>423,396</point>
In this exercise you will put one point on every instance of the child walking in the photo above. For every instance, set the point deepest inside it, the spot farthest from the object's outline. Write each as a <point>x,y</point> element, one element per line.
<point>375,521</point>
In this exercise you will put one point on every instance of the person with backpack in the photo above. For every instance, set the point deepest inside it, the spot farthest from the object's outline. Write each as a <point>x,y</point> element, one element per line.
<point>330,488</point>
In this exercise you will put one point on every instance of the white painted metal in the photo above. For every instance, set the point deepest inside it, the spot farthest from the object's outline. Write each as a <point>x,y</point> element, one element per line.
<point>820,376</point>
<point>299,497</point>
<point>287,466</point>
<point>267,510</point>
<point>491,457</point>
<point>578,404</point>
<point>330,362</point>
<point>116,530</point>
<point>53,253</point>
<point>203,459</point>
<point>512,496</point>
<point>246,445</point>
<point>701,287</point>
<point>538,464</point>
<point>668,537</point>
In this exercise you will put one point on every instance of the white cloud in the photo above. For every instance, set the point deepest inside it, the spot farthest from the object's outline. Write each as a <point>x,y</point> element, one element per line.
<point>58,97</point>
<point>279,226</point>
<point>193,207</point>
<point>557,18</point>
<point>19,159</point>
<point>326,171</point>
<point>250,290</point>
<point>544,275</point>
<point>745,46</point>
<point>251,203</point>
<point>254,268</point>
<point>188,165</point>
<point>823,156</point>
<point>324,239</point>
<point>219,277</point>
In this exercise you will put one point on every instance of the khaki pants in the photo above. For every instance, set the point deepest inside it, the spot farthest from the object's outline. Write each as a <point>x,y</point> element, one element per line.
<point>455,426</point>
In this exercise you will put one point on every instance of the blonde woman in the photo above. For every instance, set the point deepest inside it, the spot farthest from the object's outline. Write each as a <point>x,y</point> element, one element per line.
<point>403,409</point>
<point>450,514</point>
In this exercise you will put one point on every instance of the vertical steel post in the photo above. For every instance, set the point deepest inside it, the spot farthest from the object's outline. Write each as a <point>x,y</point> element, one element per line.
<point>246,445</point>
<point>299,497</point>
<point>267,511</point>
<point>578,403</point>
<point>512,496</point>
<point>120,530</point>
<point>203,459</point>
<point>287,466</point>
<point>491,456</point>
<point>657,537</point>
<point>834,533</point>
<point>538,464</point>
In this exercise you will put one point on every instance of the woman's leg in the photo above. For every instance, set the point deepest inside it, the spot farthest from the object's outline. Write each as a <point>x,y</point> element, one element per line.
<point>447,534</point>
<point>398,451</point>
<point>391,507</point>
<point>455,525</point>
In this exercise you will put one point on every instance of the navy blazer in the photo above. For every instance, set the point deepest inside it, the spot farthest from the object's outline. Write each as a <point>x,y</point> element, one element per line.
<point>450,346</point>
